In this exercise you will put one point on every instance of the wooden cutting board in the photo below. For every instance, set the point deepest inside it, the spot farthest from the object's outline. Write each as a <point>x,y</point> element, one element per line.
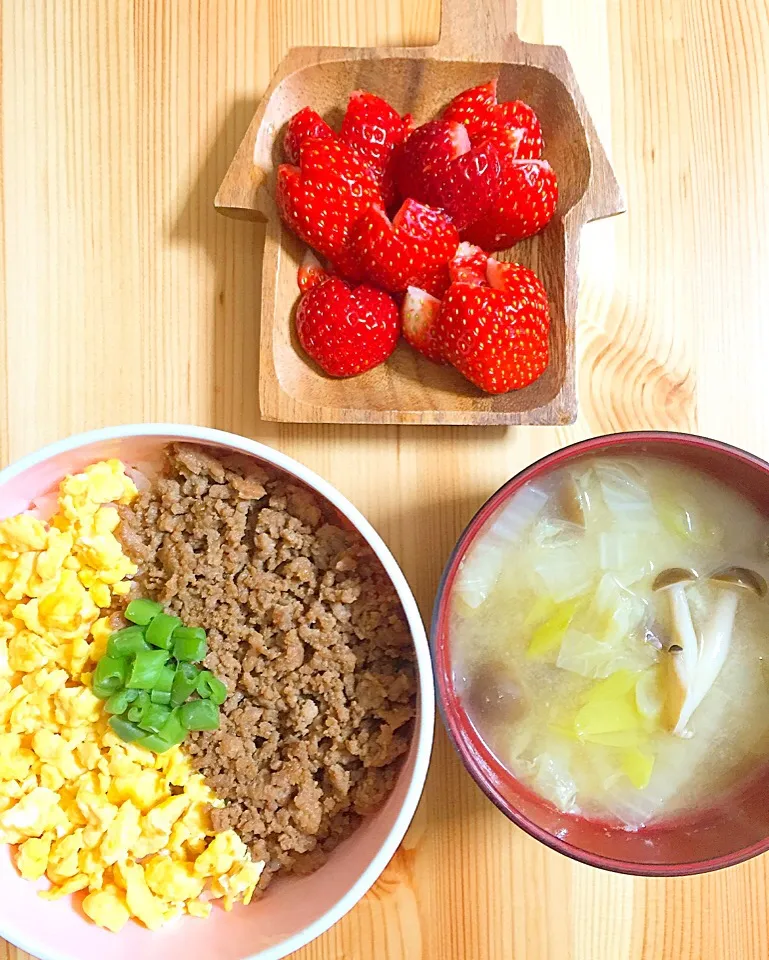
<point>126,297</point>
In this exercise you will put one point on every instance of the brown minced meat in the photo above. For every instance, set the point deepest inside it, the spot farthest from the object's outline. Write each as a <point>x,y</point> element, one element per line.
<point>305,628</point>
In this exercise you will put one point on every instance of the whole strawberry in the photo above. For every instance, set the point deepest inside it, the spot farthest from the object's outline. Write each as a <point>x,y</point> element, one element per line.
<point>305,124</point>
<point>497,340</point>
<point>374,129</point>
<point>482,114</point>
<point>345,331</point>
<point>412,250</point>
<point>525,203</point>
<point>322,200</point>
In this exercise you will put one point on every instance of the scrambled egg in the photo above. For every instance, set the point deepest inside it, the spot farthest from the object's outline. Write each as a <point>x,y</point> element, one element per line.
<point>82,808</point>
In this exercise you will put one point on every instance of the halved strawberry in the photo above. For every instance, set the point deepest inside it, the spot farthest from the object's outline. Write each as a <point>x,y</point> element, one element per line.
<point>419,312</point>
<point>322,201</point>
<point>496,339</point>
<point>374,129</point>
<point>482,113</point>
<point>345,331</point>
<point>468,264</point>
<point>311,272</point>
<point>439,167</point>
<point>306,124</point>
<point>525,203</point>
<point>412,250</point>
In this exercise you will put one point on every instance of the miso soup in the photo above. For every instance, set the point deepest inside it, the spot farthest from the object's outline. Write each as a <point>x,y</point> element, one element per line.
<point>608,633</point>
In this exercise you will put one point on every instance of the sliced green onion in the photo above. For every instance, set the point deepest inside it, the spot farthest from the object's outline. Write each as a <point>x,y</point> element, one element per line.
<point>160,696</point>
<point>166,679</point>
<point>170,734</point>
<point>211,688</point>
<point>136,712</point>
<point>142,611</point>
<point>109,677</point>
<point>189,647</point>
<point>200,715</point>
<point>160,630</point>
<point>154,718</point>
<point>125,730</point>
<point>126,642</point>
<point>119,702</point>
<point>195,633</point>
<point>185,683</point>
<point>146,669</point>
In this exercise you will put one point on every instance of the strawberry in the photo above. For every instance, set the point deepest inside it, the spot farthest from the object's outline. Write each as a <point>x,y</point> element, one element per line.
<point>495,338</point>
<point>322,200</point>
<point>525,204</point>
<point>482,113</point>
<point>419,312</point>
<point>412,250</point>
<point>311,272</point>
<point>469,264</point>
<point>523,284</point>
<point>347,331</point>
<point>304,124</point>
<point>439,167</point>
<point>374,129</point>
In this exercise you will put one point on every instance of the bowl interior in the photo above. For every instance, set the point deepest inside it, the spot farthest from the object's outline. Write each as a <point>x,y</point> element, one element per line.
<point>408,382</point>
<point>729,829</point>
<point>293,910</point>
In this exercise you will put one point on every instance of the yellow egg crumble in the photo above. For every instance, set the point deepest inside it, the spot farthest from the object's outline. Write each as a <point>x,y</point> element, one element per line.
<point>83,808</point>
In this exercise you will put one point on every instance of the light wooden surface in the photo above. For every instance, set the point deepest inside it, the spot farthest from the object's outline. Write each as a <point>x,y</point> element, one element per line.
<point>124,297</point>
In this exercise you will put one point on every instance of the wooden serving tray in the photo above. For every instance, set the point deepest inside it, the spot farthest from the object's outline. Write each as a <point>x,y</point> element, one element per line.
<point>477,43</point>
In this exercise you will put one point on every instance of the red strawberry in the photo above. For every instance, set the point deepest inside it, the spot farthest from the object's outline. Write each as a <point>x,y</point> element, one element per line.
<point>302,126</point>
<point>346,331</point>
<point>521,283</point>
<point>497,340</point>
<point>321,201</point>
<point>481,113</point>
<point>524,206</point>
<point>438,166</point>
<point>413,250</point>
<point>419,313</point>
<point>469,264</point>
<point>311,272</point>
<point>373,129</point>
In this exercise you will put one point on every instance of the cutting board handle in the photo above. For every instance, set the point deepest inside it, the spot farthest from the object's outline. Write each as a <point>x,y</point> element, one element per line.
<point>478,29</point>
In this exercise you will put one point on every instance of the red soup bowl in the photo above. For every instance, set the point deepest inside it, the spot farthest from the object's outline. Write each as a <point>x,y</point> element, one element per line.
<point>724,832</point>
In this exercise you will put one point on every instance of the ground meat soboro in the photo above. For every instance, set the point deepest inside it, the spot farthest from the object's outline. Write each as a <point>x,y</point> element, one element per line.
<point>306,630</point>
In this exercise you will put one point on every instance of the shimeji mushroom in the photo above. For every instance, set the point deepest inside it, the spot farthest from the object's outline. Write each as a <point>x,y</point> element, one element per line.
<point>683,650</point>
<point>693,676</point>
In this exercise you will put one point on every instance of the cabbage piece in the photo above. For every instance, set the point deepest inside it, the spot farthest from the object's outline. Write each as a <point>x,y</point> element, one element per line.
<point>566,573</point>
<point>554,781</point>
<point>615,612</point>
<point>517,515</point>
<point>542,608</point>
<point>625,555</point>
<point>687,522</point>
<point>637,765</point>
<point>584,654</point>
<point>548,635</point>
<point>550,533</point>
<point>607,716</point>
<point>626,499</point>
<point>479,572</point>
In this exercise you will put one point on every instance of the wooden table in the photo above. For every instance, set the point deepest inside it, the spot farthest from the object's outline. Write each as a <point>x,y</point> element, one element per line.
<point>124,297</point>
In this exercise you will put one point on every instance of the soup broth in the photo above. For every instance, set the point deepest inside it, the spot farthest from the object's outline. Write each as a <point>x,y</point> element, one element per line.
<point>608,632</point>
